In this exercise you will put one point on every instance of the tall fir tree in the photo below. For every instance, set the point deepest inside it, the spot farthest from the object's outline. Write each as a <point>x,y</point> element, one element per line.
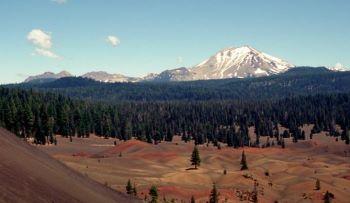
<point>244,165</point>
<point>317,185</point>
<point>193,200</point>
<point>195,157</point>
<point>28,121</point>
<point>129,188</point>
<point>153,192</point>
<point>134,190</point>
<point>214,195</point>
<point>255,193</point>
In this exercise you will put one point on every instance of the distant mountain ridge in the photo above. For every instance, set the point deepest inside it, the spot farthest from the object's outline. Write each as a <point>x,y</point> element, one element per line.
<point>178,74</point>
<point>48,76</point>
<point>295,81</point>
<point>102,76</point>
<point>240,62</point>
<point>338,67</point>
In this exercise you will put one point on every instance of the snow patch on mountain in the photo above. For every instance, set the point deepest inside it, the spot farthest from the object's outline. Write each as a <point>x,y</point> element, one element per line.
<point>239,62</point>
<point>338,67</point>
<point>102,76</point>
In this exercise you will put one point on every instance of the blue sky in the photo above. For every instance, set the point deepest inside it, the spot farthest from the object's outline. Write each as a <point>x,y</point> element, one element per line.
<point>159,34</point>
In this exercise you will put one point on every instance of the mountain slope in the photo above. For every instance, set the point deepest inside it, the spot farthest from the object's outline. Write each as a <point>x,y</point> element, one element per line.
<point>102,76</point>
<point>178,74</point>
<point>30,175</point>
<point>296,81</point>
<point>239,62</point>
<point>47,77</point>
<point>338,67</point>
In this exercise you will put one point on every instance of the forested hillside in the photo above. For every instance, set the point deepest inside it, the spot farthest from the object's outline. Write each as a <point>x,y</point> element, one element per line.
<point>295,82</point>
<point>42,115</point>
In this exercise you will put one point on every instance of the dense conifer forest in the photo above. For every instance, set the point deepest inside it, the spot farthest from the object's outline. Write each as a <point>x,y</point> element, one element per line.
<point>41,116</point>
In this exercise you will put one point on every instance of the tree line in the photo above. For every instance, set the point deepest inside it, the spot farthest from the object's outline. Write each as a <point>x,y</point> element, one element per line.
<point>31,114</point>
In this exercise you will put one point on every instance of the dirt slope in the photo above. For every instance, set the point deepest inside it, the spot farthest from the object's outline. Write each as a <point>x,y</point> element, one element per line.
<point>30,175</point>
<point>292,171</point>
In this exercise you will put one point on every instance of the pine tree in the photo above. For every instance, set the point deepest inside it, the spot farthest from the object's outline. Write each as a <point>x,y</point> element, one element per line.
<point>283,145</point>
<point>347,137</point>
<point>126,129</point>
<point>134,190</point>
<point>195,158</point>
<point>303,136</point>
<point>153,192</point>
<point>214,195</point>
<point>317,185</point>
<point>28,120</point>
<point>47,124</point>
<point>244,165</point>
<point>63,121</point>
<point>193,200</point>
<point>255,193</point>
<point>10,118</point>
<point>328,197</point>
<point>129,188</point>
<point>39,136</point>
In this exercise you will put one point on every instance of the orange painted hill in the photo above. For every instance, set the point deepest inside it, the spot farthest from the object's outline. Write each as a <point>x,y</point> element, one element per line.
<point>30,175</point>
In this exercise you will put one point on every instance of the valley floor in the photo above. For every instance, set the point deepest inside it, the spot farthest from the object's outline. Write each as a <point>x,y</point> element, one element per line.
<point>292,171</point>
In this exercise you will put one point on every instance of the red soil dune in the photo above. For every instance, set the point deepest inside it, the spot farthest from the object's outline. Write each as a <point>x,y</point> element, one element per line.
<point>292,171</point>
<point>30,175</point>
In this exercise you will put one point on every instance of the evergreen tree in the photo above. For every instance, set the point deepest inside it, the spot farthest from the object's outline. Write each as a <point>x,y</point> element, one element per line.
<point>317,185</point>
<point>214,195</point>
<point>195,158</point>
<point>193,200</point>
<point>153,192</point>
<point>10,118</point>
<point>126,129</point>
<point>129,188</point>
<point>283,145</point>
<point>63,121</point>
<point>47,124</point>
<point>303,136</point>
<point>285,134</point>
<point>244,165</point>
<point>328,197</point>
<point>255,193</point>
<point>28,121</point>
<point>134,190</point>
<point>39,136</point>
<point>347,136</point>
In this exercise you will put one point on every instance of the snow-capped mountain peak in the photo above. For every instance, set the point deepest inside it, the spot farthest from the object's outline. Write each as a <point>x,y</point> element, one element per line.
<point>239,62</point>
<point>232,62</point>
<point>103,76</point>
<point>338,67</point>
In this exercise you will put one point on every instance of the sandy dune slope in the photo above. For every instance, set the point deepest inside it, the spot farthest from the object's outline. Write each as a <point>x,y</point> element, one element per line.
<point>30,175</point>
